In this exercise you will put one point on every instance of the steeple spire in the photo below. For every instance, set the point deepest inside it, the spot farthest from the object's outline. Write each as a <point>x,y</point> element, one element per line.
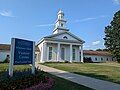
<point>60,23</point>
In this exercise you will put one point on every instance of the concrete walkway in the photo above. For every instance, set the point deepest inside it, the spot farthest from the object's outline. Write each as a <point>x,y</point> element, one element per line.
<point>80,79</point>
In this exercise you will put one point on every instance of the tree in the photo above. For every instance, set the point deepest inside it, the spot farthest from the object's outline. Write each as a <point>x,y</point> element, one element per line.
<point>112,36</point>
<point>99,49</point>
<point>105,49</point>
<point>102,49</point>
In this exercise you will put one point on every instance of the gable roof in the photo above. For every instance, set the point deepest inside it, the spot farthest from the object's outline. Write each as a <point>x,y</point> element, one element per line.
<point>52,36</point>
<point>98,53</point>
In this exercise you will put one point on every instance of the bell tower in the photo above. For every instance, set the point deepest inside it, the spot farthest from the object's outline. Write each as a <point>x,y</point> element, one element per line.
<point>60,25</point>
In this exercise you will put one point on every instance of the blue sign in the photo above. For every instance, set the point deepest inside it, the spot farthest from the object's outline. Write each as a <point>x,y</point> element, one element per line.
<point>23,52</point>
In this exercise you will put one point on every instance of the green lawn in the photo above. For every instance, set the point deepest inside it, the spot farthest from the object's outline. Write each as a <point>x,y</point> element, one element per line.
<point>60,84</point>
<point>105,71</point>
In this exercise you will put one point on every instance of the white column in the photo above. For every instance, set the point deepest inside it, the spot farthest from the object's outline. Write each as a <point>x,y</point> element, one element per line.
<point>82,54</point>
<point>37,57</point>
<point>43,53</point>
<point>47,51</point>
<point>58,52</point>
<point>71,53</point>
<point>79,53</point>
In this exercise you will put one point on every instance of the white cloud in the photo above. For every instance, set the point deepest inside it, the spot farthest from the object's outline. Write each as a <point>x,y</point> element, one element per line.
<point>116,1</point>
<point>85,19</point>
<point>95,43</point>
<point>44,25</point>
<point>86,46</point>
<point>6,13</point>
<point>90,18</point>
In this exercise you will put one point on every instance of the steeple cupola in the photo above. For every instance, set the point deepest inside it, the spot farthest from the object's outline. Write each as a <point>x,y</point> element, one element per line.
<point>60,15</point>
<point>60,25</point>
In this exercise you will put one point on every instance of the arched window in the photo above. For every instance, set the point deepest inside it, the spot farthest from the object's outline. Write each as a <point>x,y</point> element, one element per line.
<point>65,37</point>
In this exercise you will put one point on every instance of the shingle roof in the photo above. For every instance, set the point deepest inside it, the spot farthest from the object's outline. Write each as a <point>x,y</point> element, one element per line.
<point>99,53</point>
<point>6,47</point>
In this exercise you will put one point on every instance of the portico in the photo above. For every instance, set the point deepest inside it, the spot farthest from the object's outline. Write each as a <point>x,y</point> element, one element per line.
<point>61,52</point>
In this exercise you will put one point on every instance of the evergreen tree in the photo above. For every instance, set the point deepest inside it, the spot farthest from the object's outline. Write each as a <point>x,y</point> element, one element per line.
<point>112,36</point>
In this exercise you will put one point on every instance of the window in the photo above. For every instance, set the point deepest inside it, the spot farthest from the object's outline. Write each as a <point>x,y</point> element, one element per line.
<point>112,59</point>
<point>35,57</point>
<point>50,53</point>
<point>101,59</point>
<point>61,24</point>
<point>8,56</point>
<point>65,37</point>
<point>61,16</point>
<point>96,59</point>
<point>107,59</point>
<point>73,54</point>
<point>62,53</point>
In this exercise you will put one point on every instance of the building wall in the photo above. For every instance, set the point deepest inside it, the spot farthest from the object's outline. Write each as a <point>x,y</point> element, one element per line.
<point>77,55</point>
<point>54,52</point>
<point>3,55</point>
<point>99,58</point>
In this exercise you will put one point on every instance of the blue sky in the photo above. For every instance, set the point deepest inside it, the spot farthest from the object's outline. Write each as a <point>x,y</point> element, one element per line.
<point>34,19</point>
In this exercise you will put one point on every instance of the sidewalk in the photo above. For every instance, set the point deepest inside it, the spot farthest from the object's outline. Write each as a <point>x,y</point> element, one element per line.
<point>80,79</point>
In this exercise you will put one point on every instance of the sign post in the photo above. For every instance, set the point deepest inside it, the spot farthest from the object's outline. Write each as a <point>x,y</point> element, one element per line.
<point>22,52</point>
<point>11,57</point>
<point>33,62</point>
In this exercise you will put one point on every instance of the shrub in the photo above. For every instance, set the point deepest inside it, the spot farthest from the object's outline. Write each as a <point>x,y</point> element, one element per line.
<point>66,61</point>
<point>6,60</point>
<point>24,80</point>
<point>88,60</point>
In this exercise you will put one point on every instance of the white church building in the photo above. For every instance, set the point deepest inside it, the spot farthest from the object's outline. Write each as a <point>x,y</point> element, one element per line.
<point>61,45</point>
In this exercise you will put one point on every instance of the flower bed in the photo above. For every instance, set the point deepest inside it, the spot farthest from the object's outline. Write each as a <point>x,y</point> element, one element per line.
<point>43,86</point>
<point>24,80</point>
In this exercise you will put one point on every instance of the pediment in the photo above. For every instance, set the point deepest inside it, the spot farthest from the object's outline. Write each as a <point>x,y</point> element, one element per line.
<point>65,36</point>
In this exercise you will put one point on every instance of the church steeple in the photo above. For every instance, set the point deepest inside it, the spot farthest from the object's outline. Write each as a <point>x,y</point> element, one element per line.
<point>60,23</point>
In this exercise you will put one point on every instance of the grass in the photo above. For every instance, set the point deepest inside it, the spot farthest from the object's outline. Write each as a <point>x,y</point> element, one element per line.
<point>5,67</point>
<point>104,71</point>
<point>60,84</point>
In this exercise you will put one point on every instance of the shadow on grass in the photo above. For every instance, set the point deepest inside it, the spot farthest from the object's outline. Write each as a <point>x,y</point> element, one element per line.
<point>63,84</point>
<point>94,75</point>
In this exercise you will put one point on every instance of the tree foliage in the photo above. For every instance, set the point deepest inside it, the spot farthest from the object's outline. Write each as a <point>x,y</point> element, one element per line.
<point>102,49</point>
<point>112,36</point>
